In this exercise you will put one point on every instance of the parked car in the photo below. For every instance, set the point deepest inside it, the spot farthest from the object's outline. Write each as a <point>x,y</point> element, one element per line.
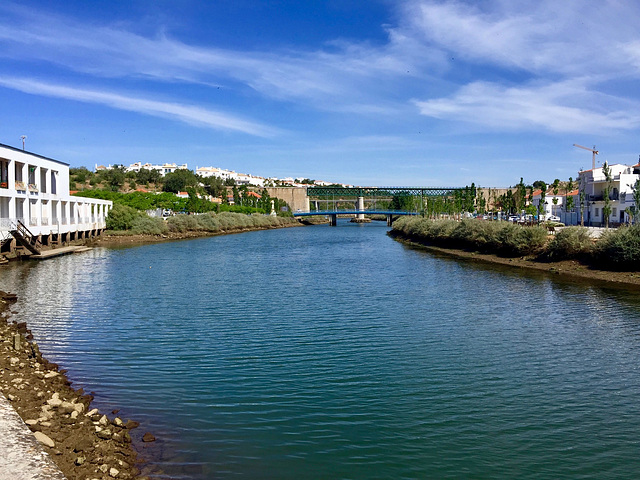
<point>552,218</point>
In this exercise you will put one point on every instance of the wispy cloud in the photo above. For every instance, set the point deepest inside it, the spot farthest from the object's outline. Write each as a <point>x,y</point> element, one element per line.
<point>189,114</point>
<point>560,107</point>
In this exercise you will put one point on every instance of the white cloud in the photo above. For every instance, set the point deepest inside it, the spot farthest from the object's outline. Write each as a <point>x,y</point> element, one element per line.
<point>175,111</point>
<point>560,107</point>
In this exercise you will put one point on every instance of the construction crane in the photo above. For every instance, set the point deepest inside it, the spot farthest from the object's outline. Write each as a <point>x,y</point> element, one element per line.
<point>592,150</point>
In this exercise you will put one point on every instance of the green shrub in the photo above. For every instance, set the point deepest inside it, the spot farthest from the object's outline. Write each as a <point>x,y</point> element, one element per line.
<point>146,225</point>
<point>570,242</point>
<point>619,249</point>
<point>121,217</point>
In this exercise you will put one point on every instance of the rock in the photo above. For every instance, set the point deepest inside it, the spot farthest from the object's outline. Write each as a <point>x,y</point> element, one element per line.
<point>148,437</point>
<point>79,407</point>
<point>80,460</point>
<point>51,374</point>
<point>132,424</point>
<point>113,472</point>
<point>93,412</point>
<point>104,434</point>
<point>67,407</point>
<point>11,398</point>
<point>83,445</point>
<point>118,422</point>
<point>104,468</point>
<point>103,420</point>
<point>31,422</point>
<point>43,439</point>
<point>14,361</point>
<point>54,401</point>
<point>74,414</point>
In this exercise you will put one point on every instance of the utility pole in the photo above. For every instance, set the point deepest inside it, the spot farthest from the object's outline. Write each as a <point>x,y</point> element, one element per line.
<point>23,137</point>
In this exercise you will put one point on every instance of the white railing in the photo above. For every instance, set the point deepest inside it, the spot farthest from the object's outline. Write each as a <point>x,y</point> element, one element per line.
<point>33,222</point>
<point>44,222</point>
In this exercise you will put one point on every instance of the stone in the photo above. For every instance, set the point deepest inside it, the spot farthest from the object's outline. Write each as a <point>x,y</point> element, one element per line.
<point>104,434</point>
<point>45,440</point>
<point>74,414</point>
<point>104,468</point>
<point>80,460</point>
<point>11,398</point>
<point>31,422</point>
<point>14,361</point>
<point>103,420</point>
<point>83,445</point>
<point>93,412</point>
<point>113,472</point>
<point>55,401</point>
<point>132,424</point>
<point>148,437</point>
<point>51,374</point>
<point>118,422</point>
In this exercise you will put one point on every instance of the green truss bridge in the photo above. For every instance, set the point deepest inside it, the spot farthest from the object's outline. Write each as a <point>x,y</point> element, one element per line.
<point>360,201</point>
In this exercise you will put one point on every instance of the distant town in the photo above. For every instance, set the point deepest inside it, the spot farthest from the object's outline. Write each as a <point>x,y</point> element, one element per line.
<point>229,176</point>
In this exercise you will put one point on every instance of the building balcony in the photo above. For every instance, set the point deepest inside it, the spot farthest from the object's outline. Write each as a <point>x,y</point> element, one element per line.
<point>600,198</point>
<point>21,186</point>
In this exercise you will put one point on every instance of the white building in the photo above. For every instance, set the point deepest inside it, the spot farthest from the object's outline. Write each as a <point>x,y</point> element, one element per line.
<point>34,192</point>
<point>594,183</point>
<point>238,178</point>
<point>164,169</point>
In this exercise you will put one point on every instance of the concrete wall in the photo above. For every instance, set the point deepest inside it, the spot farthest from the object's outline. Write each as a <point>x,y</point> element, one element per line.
<point>296,197</point>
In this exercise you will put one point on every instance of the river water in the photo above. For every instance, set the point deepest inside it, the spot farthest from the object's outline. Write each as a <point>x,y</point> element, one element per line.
<point>336,352</point>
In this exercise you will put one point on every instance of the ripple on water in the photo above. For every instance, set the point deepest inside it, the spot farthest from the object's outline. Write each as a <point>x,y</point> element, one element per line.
<point>338,353</point>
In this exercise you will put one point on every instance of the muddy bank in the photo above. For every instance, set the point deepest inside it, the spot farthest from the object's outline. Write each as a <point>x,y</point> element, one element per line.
<point>83,442</point>
<point>568,268</point>
<point>113,240</point>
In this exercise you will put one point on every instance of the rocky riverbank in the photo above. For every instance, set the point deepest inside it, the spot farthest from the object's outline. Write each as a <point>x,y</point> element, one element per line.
<point>567,268</point>
<point>83,442</point>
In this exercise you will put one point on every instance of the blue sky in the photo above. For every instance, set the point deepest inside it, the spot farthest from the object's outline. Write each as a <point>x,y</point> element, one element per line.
<point>403,93</point>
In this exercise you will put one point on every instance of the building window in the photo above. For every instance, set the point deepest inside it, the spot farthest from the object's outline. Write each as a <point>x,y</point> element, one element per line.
<point>613,212</point>
<point>597,214</point>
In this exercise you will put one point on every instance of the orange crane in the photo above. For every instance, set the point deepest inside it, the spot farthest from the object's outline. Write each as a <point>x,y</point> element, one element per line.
<point>592,150</point>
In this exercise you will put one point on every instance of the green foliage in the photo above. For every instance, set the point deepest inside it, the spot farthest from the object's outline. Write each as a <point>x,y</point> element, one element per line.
<point>145,225</point>
<point>503,238</point>
<point>570,242</point>
<point>619,249</point>
<point>225,221</point>
<point>179,180</point>
<point>121,217</point>
<point>569,205</point>
<point>606,208</point>
<point>636,201</point>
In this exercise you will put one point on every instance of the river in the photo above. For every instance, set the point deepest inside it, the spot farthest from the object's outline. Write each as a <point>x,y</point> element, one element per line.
<point>336,352</point>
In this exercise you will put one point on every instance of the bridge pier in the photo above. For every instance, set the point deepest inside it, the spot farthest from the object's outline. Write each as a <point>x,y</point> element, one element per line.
<point>360,207</point>
<point>389,220</point>
<point>333,220</point>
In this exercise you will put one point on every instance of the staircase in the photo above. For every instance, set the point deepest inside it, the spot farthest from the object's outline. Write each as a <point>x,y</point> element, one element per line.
<point>26,239</point>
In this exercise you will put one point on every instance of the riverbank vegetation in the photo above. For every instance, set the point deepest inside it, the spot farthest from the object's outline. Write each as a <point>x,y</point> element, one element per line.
<point>124,220</point>
<point>617,249</point>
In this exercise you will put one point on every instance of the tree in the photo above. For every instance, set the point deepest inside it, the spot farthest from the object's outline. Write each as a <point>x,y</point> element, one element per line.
<point>582,195</point>
<point>568,189</point>
<point>145,176</point>
<point>636,201</point>
<point>543,195</point>
<point>556,188</point>
<point>521,196</point>
<point>114,177</point>
<point>179,180</point>
<point>606,208</point>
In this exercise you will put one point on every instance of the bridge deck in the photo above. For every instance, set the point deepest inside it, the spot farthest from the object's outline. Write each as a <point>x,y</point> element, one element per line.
<point>353,212</point>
